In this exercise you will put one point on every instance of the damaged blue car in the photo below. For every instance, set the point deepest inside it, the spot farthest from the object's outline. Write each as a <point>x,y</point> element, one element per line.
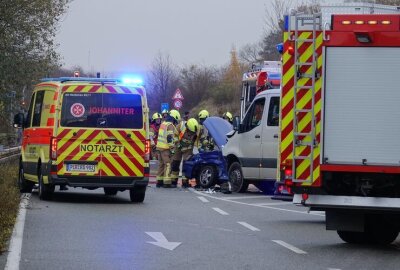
<point>209,167</point>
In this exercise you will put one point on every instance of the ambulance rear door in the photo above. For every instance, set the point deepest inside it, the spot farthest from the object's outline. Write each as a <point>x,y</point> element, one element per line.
<point>124,134</point>
<point>79,138</point>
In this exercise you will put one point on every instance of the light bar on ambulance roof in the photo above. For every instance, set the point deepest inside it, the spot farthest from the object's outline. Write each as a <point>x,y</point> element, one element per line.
<point>132,81</point>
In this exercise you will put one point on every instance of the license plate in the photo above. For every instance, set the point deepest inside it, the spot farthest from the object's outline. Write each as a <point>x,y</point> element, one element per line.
<point>81,168</point>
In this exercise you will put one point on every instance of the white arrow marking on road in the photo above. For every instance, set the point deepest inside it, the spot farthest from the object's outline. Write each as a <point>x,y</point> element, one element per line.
<point>161,241</point>
<point>289,246</point>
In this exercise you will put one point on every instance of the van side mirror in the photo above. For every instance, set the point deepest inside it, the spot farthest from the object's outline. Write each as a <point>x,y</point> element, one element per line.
<point>236,123</point>
<point>19,120</point>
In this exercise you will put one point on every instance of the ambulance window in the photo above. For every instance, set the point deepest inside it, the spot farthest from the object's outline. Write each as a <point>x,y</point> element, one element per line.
<point>37,109</point>
<point>29,116</point>
<point>47,113</point>
<point>123,111</point>
<point>273,112</point>
<point>80,109</point>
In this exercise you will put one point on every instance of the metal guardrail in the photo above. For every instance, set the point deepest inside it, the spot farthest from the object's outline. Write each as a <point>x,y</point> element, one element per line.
<point>6,153</point>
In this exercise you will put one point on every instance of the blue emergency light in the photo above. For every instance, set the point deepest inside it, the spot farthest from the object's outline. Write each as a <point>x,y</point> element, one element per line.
<point>132,81</point>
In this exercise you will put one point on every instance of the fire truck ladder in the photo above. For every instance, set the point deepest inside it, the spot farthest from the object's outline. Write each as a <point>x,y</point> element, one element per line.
<point>309,23</point>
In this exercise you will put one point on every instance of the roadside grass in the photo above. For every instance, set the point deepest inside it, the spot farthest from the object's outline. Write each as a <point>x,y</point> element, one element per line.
<point>9,201</point>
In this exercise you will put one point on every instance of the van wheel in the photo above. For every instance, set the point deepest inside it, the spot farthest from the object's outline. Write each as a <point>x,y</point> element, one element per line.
<point>24,185</point>
<point>207,176</point>
<point>110,191</point>
<point>45,190</point>
<point>236,178</point>
<point>137,194</point>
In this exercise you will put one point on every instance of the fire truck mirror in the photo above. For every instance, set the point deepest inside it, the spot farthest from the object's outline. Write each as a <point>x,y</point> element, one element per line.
<point>18,120</point>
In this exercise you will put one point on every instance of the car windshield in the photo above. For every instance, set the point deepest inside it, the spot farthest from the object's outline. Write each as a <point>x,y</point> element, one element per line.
<point>102,110</point>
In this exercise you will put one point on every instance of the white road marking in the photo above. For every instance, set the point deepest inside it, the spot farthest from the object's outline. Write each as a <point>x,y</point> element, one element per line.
<point>274,203</point>
<point>289,246</point>
<point>262,206</point>
<point>202,199</point>
<point>249,197</point>
<point>162,241</point>
<point>248,226</point>
<point>334,269</point>
<point>14,255</point>
<point>222,212</point>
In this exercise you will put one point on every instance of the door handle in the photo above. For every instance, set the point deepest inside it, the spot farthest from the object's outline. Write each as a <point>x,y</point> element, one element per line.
<point>275,135</point>
<point>111,139</point>
<point>257,136</point>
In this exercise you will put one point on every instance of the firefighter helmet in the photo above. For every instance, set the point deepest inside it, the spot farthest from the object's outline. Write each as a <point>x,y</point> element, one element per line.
<point>203,114</point>
<point>156,116</point>
<point>192,125</point>
<point>228,116</point>
<point>175,114</point>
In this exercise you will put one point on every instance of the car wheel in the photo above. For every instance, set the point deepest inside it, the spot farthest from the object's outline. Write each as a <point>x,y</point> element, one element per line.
<point>207,176</point>
<point>137,194</point>
<point>236,178</point>
<point>45,190</point>
<point>24,185</point>
<point>110,191</point>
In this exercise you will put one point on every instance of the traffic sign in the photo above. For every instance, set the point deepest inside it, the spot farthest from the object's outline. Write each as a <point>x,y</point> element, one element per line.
<point>164,106</point>
<point>177,104</point>
<point>178,94</point>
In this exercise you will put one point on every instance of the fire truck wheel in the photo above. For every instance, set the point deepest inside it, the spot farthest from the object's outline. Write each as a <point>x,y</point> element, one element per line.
<point>380,231</point>
<point>137,194</point>
<point>23,185</point>
<point>207,176</point>
<point>236,178</point>
<point>353,237</point>
<point>110,191</point>
<point>45,190</point>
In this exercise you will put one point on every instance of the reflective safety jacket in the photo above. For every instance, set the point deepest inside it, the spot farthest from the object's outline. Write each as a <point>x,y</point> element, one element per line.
<point>166,140</point>
<point>153,133</point>
<point>186,140</point>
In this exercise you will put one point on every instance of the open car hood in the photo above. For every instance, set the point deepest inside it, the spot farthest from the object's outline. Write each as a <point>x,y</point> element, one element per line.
<point>218,128</point>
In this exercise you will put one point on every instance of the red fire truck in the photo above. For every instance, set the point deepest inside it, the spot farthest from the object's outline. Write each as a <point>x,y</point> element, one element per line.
<point>339,122</point>
<point>260,77</point>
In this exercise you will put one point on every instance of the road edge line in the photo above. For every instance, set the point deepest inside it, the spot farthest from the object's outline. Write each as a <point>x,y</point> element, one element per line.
<point>15,248</point>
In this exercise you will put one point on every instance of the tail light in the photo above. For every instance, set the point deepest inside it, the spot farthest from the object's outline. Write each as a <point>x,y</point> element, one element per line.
<point>147,151</point>
<point>288,173</point>
<point>53,148</point>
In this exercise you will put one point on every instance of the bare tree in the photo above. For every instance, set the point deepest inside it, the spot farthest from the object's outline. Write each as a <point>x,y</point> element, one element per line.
<point>162,80</point>
<point>250,53</point>
<point>196,82</point>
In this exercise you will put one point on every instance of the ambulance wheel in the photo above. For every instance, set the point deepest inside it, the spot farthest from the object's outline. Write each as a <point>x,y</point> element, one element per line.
<point>110,191</point>
<point>236,178</point>
<point>353,237</point>
<point>23,185</point>
<point>45,190</point>
<point>137,194</point>
<point>207,176</point>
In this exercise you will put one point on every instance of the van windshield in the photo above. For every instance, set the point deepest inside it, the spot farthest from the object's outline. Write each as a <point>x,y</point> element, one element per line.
<point>102,110</point>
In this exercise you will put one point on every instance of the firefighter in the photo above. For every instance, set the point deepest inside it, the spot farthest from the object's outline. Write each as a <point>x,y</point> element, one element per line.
<point>228,116</point>
<point>187,136</point>
<point>165,146</point>
<point>164,114</point>
<point>153,133</point>
<point>204,141</point>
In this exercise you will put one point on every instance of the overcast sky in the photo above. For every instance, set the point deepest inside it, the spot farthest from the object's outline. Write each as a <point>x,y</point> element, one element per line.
<point>125,35</point>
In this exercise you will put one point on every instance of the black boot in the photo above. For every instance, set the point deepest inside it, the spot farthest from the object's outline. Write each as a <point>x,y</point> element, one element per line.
<point>159,183</point>
<point>174,184</point>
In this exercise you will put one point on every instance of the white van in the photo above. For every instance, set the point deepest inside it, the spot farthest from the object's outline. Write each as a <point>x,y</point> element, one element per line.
<point>252,149</point>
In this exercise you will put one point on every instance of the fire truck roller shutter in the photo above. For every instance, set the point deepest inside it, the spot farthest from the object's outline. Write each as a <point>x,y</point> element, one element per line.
<point>361,112</point>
